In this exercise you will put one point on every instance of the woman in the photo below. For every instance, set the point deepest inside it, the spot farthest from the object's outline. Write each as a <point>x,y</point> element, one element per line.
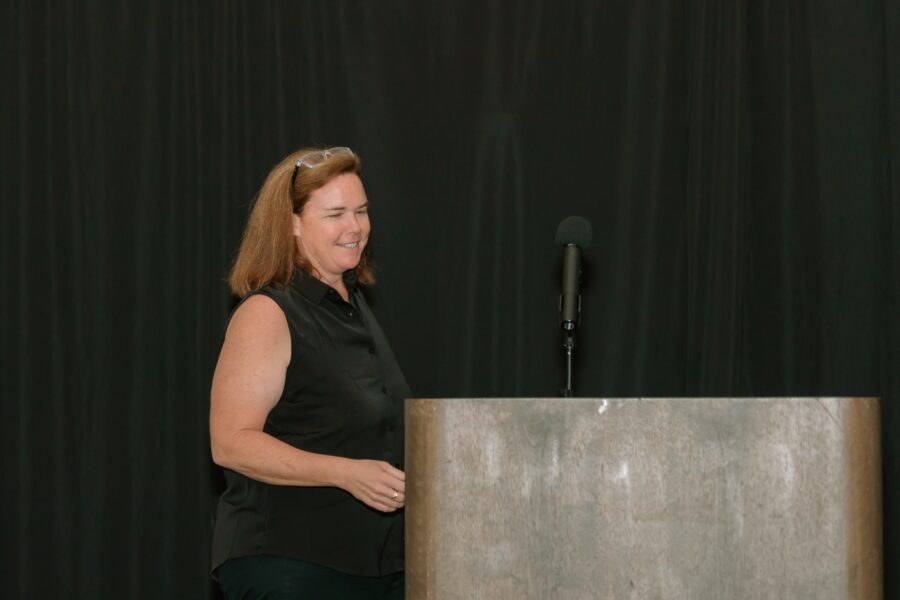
<point>306,414</point>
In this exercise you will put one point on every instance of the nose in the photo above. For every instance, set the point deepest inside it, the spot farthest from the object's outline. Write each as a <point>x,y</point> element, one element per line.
<point>354,221</point>
<point>354,224</point>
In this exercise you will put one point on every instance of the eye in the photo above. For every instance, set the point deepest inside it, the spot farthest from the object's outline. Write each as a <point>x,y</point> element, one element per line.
<point>362,211</point>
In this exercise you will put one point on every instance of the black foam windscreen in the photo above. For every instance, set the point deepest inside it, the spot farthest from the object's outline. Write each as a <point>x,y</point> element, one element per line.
<point>574,230</point>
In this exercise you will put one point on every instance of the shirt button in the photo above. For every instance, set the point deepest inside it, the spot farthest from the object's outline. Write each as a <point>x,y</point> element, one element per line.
<point>350,313</point>
<point>371,350</point>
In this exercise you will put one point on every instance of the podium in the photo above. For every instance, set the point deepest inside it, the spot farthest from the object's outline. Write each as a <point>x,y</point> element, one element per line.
<point>667,498</point>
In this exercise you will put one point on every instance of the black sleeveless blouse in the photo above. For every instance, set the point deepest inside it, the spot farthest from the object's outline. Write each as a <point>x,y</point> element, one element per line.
<point>343,395</point>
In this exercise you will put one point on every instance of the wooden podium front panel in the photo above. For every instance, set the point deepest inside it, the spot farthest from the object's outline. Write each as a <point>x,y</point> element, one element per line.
<point>715,498</point>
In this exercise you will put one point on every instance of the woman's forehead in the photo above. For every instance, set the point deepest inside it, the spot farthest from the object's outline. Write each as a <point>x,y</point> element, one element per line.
<point>344,191</point>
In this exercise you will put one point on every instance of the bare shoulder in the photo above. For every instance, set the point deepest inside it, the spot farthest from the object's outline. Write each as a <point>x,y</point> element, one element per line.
<point>258,313</point>
<point>258,327</point>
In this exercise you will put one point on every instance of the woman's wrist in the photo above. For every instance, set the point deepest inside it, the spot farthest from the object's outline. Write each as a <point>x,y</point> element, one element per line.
<point>337,470</point>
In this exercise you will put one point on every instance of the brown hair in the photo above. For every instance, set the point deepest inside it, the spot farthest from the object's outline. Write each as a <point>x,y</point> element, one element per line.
<point>269,252</point>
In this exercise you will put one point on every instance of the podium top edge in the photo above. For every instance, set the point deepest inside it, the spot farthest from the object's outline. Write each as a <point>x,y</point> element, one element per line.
<point>648,399</point>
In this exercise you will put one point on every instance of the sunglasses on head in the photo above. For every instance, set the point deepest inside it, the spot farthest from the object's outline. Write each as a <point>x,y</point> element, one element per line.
<point>311,160</point>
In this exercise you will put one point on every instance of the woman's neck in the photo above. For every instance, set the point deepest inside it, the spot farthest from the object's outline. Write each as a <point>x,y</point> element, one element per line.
<point>339,286</point>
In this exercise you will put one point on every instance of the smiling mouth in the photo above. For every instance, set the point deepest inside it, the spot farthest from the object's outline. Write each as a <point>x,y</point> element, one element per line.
<point>351,245</point>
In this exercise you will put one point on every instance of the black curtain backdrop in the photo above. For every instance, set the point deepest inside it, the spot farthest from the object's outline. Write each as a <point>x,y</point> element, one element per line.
<point>740,163</point>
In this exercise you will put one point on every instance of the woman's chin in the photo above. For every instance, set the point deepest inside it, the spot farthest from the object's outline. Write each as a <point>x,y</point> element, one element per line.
<point>350,262</point>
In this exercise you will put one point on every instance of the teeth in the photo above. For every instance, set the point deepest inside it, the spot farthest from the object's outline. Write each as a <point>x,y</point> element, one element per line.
<point>350,245</point>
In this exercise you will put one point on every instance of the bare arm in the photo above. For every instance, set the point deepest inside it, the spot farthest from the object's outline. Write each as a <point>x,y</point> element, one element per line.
<point>247,383</point>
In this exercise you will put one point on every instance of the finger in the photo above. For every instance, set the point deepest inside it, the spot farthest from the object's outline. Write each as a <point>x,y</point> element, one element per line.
<point>397,473</point>
<point>390,492</point>
<point>396,484</point>
<point>382,506</point>
<point>394,499</point>
<point>387,477</point>
<point>382,501</point>
<point>397,496</point>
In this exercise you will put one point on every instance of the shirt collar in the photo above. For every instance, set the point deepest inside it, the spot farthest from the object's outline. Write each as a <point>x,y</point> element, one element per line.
<point>315,290</point>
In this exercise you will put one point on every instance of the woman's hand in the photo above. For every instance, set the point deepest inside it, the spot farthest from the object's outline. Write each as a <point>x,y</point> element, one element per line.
<point>375,483</point>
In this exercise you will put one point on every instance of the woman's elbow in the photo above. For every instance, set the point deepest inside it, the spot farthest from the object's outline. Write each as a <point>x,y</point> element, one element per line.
<point>219,451</point>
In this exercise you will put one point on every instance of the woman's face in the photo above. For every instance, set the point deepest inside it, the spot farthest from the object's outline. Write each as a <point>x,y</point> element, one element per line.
<point>333,227</point>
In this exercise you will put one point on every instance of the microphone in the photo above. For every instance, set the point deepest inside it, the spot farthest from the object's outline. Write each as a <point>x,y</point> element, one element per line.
<point>574,234</point>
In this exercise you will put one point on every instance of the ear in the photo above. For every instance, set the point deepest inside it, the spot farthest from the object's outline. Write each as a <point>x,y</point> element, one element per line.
<point>295,219</point>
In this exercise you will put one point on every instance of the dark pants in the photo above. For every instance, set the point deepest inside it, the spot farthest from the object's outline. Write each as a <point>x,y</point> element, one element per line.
<point>281,578</point>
